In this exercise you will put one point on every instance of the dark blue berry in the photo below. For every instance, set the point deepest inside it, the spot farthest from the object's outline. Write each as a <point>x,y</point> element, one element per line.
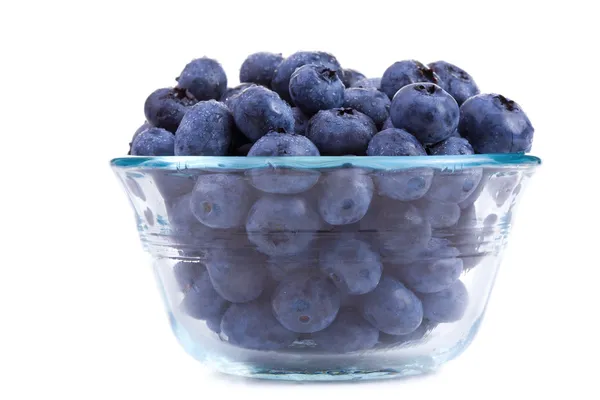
<point>401,228</point>
<point>453,146</point>
<point>204,78</point>
<point>281,79</point>
<point>348,333</point>
<point>395,142</point>
<point>345,196</point>
<point>373,103</point>
<point>341,131</point>
<point>139,130</point>
<point>404,73</point>
<point>501,186</point>
<point>283,180</point>
<point>352,266</point>
<point>300,121</point>
<point>416,336</point>
<point>306,302</point>
<point>186,273</point>
<point>205,130</point>
<point>454,185</point>
<point>260,67</point>
<point>316,87</point>
<point>253,326</point>
<point>221,200</point>
<point>435,269</point>
<point>368,83</point>
<point>153,142</point>
<point>454,80</point>
<point>392,308</point>
<point>236,274</point>
<point>231,94</point>
<point>258,110</point>
<point>439,214</point>
<point>350,76</point>
<point>165,108</point>
<point>495,124</point>
<point>202,301</point>
<point>403,184</point>
<point>426,111</point>
<point>448,305</point>
<point>214,323</point>
<point>282,225</point>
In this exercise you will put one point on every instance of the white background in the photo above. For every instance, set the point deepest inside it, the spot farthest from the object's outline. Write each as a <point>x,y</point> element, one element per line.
<point>80,316</point>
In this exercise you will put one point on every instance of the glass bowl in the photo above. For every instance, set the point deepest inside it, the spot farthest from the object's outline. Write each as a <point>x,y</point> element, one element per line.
<point>325,268</point>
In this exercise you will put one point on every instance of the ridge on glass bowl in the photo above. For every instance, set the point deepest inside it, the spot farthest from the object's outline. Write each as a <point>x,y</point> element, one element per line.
<point>325,268</point>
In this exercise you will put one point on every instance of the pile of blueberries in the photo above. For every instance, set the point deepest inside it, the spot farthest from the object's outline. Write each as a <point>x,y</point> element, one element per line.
<point>335,260</point>
<point>307,105</point>
<point>337,265</point>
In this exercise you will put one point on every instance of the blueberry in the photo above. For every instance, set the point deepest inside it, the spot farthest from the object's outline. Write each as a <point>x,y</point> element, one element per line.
<point>231,94</point>
<point>448,305</point>
<point>439,214</point>
<point>395,142</point>
<point>153,142</point>
<point>236,274</point>
<point>495,124</point>
<point>454,185</point>
<point>348,333</point>
<point>403,184</point>
<point>281,79</point>
<point>401,228</point>
<point>221,200</point>
<point>466,236</point>
<point>186,273</point>
<point>453,146</point>
<point>392,308</point>
<point>341,131</point>
<point>174,183</point>
<point>214,323</point>
<point>139,130</point>
<point>316,87</point>
<point>501,186</point>
<point>415,336</point>
<point>368,83</point>
<point>454,80</point>
<point>300,121</point>
<point>205,130</point>
<point>202,301</point>
<point>253,326</point>
<point>387,124</point>
<point>282,225</point>
<point>436,268</point>
<point>204,78</point>
<point>426,111</point>
<point>350,76</point>
<point>403,73</point>
<point>373,103</point>
<point>306,302</point>
<point>165,108</point>
<point>258,110</point>
<point>472,198</point>
<point>191,237</point>
<point>260,67</point>
<point>352,266</point>
<point>283,180</point>
<point>345,196</point>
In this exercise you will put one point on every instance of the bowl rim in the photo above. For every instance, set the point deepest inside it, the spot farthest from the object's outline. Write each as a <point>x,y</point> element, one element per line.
<point>509,160</point>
